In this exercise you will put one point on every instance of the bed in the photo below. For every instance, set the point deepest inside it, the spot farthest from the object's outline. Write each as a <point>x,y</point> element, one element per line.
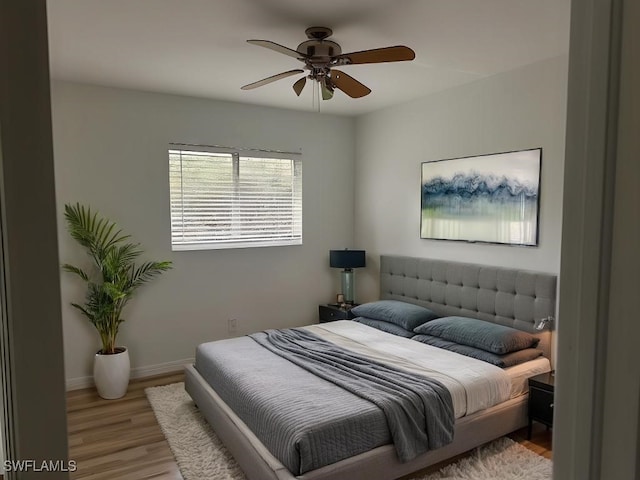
<point>503,296</point>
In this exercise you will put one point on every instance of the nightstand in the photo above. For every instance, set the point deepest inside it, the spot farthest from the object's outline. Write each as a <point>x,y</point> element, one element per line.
<point>541,400</point>
<point>332,312</point>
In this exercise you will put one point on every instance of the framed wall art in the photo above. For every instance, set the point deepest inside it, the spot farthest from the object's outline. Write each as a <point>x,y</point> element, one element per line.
<point>491,198</point>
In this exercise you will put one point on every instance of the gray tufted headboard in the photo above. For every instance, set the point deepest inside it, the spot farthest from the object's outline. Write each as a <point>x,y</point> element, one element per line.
<point>511,297</point>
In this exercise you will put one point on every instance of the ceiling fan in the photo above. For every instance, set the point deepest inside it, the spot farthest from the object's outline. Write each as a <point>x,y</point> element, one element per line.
<point>320,56</point>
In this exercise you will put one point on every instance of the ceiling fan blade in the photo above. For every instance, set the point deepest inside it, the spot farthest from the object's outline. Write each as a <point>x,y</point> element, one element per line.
<point>349,85</point>
<point>278,48</point>
<point>299,85</point>
<point>270,79</point>
<point>377,55</point>
<point>327,89</point>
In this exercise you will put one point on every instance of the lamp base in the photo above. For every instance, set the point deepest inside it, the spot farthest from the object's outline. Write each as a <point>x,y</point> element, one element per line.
<point>348,280</point>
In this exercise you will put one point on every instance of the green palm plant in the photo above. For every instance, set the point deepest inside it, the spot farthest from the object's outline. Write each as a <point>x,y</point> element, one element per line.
<point>115,276</point>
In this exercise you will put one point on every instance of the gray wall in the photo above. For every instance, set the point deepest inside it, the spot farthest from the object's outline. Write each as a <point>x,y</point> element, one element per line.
<point>110,150</point>
<point>523,108</point>
<point>361,181</point>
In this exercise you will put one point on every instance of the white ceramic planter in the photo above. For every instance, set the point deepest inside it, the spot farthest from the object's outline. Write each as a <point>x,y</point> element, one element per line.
<point>111,374</point>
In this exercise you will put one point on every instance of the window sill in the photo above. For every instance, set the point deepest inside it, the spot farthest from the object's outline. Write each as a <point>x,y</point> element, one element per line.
<point>228,245</point>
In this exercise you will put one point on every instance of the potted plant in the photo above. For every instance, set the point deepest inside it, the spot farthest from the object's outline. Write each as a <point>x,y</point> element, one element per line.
<point>111,283</point>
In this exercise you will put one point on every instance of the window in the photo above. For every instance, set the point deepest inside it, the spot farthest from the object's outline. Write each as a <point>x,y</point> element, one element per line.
<point>222,198</point>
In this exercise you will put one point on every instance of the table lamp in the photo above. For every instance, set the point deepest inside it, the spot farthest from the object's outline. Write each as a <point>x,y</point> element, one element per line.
<point>347,260</point>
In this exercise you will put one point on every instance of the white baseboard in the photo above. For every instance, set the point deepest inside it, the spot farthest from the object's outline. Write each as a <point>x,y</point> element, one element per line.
<point>138,372</point>
<point>79,382</point>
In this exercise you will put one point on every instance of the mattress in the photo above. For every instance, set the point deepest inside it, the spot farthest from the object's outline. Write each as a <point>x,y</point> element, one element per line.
<point>519,374</point>
<point>307,422</point>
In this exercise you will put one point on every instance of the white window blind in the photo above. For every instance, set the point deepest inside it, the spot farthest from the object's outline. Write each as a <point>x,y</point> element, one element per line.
<point>226,199</point>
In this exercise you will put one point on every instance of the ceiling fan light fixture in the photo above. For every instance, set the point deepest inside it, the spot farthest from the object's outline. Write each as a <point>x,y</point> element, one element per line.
<point>327,89</point>
<point>320,55</point>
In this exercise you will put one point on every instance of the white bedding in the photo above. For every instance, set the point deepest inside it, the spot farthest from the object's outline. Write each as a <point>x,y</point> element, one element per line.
<point>519,374</point>
<point>474,384</point>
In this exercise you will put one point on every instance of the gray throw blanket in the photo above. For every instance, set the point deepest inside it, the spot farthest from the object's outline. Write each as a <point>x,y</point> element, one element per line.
<point>419,410</point>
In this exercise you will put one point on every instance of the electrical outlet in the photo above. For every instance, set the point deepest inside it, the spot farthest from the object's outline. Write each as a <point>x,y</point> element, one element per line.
<point>232,325</point>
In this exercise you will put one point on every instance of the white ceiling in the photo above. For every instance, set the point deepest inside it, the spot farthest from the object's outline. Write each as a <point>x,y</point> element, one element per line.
<point>198,47</point>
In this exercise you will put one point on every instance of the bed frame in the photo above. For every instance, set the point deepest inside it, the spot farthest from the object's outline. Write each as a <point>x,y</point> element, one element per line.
<point>511,297</point>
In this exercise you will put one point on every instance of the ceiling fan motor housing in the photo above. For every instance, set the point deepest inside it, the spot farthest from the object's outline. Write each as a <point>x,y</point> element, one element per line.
<point>321,50</point>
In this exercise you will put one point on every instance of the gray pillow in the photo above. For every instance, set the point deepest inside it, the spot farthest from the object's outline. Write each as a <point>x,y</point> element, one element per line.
<point>406,315</point>
<point>487,336</point>
<point>385,326</point>
<point>502,361</point>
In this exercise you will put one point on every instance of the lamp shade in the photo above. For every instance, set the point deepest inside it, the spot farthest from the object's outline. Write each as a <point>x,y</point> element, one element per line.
<point>347,258</point>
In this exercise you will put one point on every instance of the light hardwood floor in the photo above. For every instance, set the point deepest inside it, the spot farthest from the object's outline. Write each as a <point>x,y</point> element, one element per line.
<point>120,439</point>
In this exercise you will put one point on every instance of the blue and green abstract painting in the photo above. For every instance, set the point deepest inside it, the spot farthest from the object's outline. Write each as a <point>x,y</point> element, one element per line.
<point>489,198</point>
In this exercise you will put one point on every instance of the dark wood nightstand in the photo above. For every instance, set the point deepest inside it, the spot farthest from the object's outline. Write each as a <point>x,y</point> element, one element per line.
<point>332,312</point>
<point>541,400</point>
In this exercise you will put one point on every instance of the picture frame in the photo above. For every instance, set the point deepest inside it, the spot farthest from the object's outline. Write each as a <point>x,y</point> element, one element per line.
<point>339,298</point>
<point>491,198</point>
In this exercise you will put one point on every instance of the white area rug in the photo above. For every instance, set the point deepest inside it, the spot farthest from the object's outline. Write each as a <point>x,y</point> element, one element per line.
<point>201,456</point>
